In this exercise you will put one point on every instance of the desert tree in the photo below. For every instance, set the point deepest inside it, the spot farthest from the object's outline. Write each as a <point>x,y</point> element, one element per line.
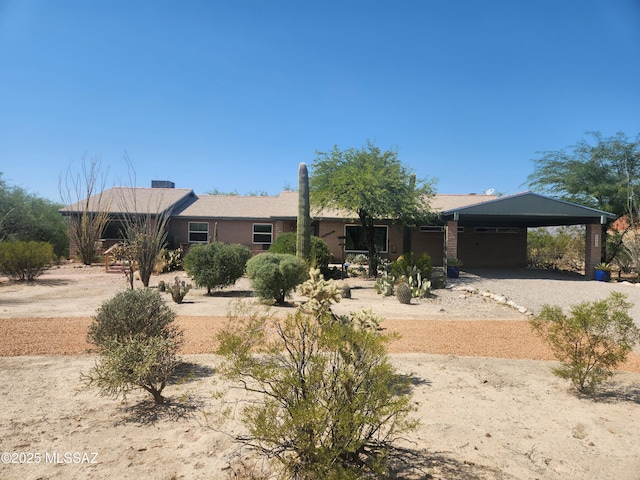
<point>600,173</point>
<point>596,173</point>
<point>28,217</point>
<point>87,206</point>
<point>371,183</point>
<point>144,226</point>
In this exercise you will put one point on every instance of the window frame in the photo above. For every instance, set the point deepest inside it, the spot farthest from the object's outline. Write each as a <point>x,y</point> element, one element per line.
<point>348,238</point>
<point>190,232</point>
<point>255,233</point>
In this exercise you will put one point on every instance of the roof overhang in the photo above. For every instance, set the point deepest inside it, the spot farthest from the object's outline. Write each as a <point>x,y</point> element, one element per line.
<point>526,209</point>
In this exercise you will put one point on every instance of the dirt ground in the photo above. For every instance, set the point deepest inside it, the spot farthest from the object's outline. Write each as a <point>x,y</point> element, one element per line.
<point>488,404</point>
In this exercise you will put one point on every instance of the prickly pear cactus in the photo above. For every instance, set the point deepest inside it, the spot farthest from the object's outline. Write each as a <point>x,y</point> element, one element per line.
<point>403,293</point>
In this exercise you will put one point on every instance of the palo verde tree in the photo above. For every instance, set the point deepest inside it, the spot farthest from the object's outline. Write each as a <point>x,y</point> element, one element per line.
<point>83,193</point>
<point>373,184</point>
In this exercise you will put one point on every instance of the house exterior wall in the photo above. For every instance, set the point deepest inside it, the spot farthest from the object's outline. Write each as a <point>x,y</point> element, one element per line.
<point>229,231</point>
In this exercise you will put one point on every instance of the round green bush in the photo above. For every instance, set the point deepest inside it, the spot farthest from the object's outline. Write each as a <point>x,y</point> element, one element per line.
<point>216,265</point>
<point>137,313</point>
<point>320,255</point>
<point>274,275</point>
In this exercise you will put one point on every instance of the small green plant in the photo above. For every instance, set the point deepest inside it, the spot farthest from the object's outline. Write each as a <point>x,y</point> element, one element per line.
<point>162,287</point>
<point>454,262</point>
<point>25,261</point>
<point>592,341</point>
<point>137,342</point>
<point>403,293</point>
<point>385,285</point>
<point>419,285</point>
<point>216,265</point>
<point>179,290</point>
<point>275,275</point>
<point>407,263</point>
<point>605,267</point>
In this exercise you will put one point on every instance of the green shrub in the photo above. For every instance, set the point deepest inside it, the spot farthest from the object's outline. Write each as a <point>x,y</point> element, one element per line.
<point>137,343</point>
<point>406,264</point>
<point>22,261</point>
<point>140,362</point>
<point>216,265</point>
<point>330,404</point>
<point>140,312</point>
<point>592,341</point>
<point>275,275</point>
<point>319,256</point>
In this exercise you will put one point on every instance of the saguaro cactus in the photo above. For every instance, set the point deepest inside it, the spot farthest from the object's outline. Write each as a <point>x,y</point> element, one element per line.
<point>406,236</point>
<point>303,241</point>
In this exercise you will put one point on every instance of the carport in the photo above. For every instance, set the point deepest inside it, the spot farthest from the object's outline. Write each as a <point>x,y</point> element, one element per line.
<point>493,232</point>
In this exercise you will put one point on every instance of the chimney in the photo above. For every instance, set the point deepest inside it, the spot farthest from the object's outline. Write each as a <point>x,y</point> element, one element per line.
<point>162,184</point>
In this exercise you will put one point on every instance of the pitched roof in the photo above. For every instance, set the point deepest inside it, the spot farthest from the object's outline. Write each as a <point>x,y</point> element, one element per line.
<point>526,209</point>
<point>134,200</point>
<point>284,205</point>
<point>186,204</point>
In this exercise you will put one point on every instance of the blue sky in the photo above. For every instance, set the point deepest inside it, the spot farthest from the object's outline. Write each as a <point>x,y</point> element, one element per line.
<point>233,95</point>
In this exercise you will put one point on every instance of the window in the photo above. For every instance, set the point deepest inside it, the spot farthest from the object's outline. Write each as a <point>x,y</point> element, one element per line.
<point>198,232</point>
<point>262,233</point>
<point>436,229</point>
<point>357,242</point>
<point>496,230</point>
<point>114,230</point>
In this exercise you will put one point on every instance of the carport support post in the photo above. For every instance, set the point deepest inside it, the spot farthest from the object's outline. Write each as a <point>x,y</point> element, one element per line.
<point>593,245</point>
<point>451,240</point>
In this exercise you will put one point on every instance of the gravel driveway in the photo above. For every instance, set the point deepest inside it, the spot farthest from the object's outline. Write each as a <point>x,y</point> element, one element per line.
<point>532,288</point>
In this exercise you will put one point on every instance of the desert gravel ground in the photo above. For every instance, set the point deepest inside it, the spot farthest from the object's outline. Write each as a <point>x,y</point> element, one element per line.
<point>488,405</point>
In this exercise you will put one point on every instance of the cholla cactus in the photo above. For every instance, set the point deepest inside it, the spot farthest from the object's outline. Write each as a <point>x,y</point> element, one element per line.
<point>321,293</point>
<point>366,320</point>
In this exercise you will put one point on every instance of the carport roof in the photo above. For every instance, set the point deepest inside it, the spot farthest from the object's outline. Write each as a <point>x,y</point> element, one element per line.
<point>526,209</point>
